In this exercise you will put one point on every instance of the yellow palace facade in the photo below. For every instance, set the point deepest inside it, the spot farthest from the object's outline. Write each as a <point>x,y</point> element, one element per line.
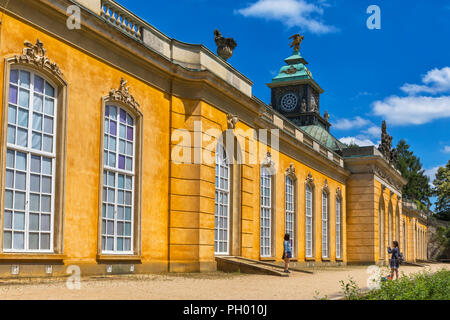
<point>125,151</point>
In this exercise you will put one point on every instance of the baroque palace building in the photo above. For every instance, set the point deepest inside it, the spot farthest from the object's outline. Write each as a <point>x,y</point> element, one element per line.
<point>98,169</point>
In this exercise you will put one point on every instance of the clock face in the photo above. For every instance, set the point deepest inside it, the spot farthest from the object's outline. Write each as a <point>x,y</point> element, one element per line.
<point>289,102</point>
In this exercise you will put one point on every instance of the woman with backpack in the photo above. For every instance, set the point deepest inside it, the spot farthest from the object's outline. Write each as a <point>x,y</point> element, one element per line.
<point>395,259</point>
<point>287,253</point>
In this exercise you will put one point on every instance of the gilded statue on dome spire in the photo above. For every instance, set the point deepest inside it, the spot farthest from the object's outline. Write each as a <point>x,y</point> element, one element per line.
<point>297,41</point>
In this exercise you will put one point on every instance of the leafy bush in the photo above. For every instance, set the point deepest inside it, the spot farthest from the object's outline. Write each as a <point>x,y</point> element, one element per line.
<point>419,286</point>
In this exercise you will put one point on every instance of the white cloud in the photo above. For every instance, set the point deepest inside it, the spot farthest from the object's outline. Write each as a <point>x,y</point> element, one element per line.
<point>431,173</point>
<point>435,81</point>
<point>446,149</point>
<point>412,109</point>
<point>292,13</point>
<point>356,140</point>
<point>415,109</point>
<point>347,124</point>
<point>373,131</point>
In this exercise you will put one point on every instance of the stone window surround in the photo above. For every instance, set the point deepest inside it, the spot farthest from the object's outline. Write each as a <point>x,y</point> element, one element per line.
<point>61,146</point>
<point>137,243</point>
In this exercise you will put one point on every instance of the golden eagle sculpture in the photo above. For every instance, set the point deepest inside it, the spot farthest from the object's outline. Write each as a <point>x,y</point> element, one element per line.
<point>296,42</point>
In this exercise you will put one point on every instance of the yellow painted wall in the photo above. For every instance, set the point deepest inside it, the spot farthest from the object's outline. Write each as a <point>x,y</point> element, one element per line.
<point>89,80</point>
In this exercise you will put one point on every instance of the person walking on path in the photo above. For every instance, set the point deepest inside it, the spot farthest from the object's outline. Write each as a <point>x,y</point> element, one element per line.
<point>287,253</point>
<point>395,259</point>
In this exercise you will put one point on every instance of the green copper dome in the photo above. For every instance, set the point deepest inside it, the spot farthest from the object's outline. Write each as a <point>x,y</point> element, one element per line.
<point>295,70</point>
<point>324,137</point>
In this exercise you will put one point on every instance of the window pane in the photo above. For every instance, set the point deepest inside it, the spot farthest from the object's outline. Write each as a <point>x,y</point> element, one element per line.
<point>11,134</point>
<point>48,143</point>
<point>37,122</point>
<point>49,90</point>
<point>48,125</point>
<point>22,118</point>
<point>7,241</point>
<point>20,181</point>
<point>35,164</point>
<point>14,76</point>
<point>21,161</point>
<point>38,101</point>
<point>10,159</point>
<point>8,219</point>
<point>34,222</point>
<point>38,84</point>
<point>121,182</point>
<point>34,241</point>
<point>46,166</point>
<point>12,114</point>
<point>8,199</point>
<point>19,221</point>
<point>45,241</point>
<point>45,222</point>
<point>49,106</point>
<point>22,137</point>
<point>18,240</point>
<point>112,112</point>
<point>13,94</point>
<point>123,116</point>
<point>9,177</point>
<point>19,201</point>
<point>36,141</point>
<point>46,185</point>
<point>24,98</point>
<point>46,203</point>
<point>34,202</point>
<point>25,79</point>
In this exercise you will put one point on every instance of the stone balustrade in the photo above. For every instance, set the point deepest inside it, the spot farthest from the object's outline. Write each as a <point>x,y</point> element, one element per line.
<point>122,18</point>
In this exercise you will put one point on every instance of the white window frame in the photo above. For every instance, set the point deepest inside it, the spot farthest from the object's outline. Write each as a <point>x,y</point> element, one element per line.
<point>29,151</point>
<point>325,225</point>
<point>266,214</point>
<point>309,221</point>
<point>338,228</point>
<point>390,225</point>
<point>116,171</point>
<point>290,210</point>
<point>222,234</point>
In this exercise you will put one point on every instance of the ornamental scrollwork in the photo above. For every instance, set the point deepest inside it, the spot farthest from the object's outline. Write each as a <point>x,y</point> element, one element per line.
<point>123,95</point>
<point>36,54</point>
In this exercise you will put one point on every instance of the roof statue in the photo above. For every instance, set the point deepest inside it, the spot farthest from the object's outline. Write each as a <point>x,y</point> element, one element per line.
<point>225,46</point>
<point>386,145</point>
<point>297,41</point>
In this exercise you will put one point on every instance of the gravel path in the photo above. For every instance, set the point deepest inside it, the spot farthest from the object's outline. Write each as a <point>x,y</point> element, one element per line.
<point>212,286</point>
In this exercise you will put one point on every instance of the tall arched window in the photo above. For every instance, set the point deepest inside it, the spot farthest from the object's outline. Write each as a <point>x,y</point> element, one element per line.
<point>266,213</point>
<point>325,226</point>
<point>309,242</point>
<point>290,210</point>
<point>405,237</point>
<point>118,181</point>
<point>390,225</point>
<point>338,228</point>
<point>381,232</point>
<point>397,224</point>
<point>30,163</point>
<point>222,202</point>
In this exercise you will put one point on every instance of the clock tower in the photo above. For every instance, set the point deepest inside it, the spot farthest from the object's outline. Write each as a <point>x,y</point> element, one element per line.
<point>295,94</point>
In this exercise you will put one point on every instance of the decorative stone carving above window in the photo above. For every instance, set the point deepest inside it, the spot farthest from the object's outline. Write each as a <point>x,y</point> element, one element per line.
<point>123,95</point>
<point>36,55</point>
<point>309,178</point>
<point>339,192</point>
<point>291,170</point>
<point>232,121</point>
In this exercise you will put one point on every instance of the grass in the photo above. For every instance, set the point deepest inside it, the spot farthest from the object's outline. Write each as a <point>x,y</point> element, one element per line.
<point>418,286</point>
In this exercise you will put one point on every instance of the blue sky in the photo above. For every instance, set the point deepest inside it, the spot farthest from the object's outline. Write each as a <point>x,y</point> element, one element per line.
<point>400,73</point>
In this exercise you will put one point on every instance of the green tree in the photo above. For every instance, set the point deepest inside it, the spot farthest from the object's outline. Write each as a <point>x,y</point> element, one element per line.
<point>442,191</point>
<point>418,187</point>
